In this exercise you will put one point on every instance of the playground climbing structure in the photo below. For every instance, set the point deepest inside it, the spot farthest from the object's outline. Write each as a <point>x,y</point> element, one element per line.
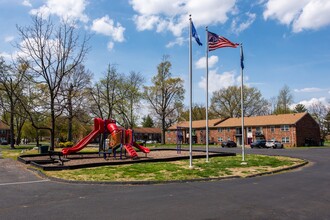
<point>113,138</point>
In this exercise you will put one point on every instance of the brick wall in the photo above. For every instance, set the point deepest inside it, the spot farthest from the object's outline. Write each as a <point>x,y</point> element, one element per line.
<point>289,135</point>
<point>307,128</point>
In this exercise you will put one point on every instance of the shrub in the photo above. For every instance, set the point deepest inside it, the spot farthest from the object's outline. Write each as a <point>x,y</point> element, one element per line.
<point>66,144</point>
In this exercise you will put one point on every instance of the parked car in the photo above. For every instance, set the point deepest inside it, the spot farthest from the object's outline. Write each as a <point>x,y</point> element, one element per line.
<point>4,142</point>
<point>151,142</point>
<point>228,144</point>
<point>258,144</point>
<point>274,144</point>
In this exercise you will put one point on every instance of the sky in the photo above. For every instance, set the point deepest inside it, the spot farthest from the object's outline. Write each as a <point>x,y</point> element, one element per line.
<point>285,42</point>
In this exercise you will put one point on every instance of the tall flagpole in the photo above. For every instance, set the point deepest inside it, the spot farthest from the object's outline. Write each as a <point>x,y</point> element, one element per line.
<point>207,97</point>
<point>242,107</point>
<point>190,101</point>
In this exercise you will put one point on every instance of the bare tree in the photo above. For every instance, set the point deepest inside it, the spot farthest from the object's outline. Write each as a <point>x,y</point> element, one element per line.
<point>11,84</point>
<point>227,102</point>
<point>165,95</point>
<point>74,90</point>
<point>319,112</point>
<point>284,100</point>
<point>129,99</point>
<point>52,52</point>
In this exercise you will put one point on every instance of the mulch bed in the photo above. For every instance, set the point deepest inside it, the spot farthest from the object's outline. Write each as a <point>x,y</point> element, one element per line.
<point>83,160</point>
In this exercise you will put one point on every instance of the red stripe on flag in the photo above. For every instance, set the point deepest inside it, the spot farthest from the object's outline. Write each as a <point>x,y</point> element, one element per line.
<point>216,42</point>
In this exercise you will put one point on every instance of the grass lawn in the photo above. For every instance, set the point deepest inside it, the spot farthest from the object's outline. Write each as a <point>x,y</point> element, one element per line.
<point>178,170</point>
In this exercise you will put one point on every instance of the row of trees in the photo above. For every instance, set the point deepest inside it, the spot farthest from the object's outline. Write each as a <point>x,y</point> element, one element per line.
<point>48,89</point>
<point>48,85</point>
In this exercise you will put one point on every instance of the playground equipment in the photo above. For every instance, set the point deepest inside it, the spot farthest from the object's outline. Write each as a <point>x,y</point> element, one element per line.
<point>179,139</point>
<point>117,138</point>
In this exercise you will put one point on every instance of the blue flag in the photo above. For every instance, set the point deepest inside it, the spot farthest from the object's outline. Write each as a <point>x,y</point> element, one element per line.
<point>242,58</point>
<point>195,35</point>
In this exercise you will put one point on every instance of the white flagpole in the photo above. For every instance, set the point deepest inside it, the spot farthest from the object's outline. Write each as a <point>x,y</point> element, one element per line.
<point>207,97</point>
<point>190,101</point>
<point>242,109</point>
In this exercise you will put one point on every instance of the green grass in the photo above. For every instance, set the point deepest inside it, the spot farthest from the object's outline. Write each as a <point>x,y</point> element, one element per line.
<point>179,170</point>
<point>6,152</point>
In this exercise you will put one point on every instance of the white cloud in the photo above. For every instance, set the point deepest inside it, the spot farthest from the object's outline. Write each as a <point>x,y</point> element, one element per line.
<point>65,9</point>
<point>27,3</point>
<point>107,26</point>
<point>201,63</point>
<point>110,45</point>
<point>218,81</point>
<point>238,28</point>
<point>178,41</point>
<point>300,15</point>
<point>316,14</point>
<point>145,22</point>
<point>173,15</point>
<point>309,103</point>
<point>6,56</point>
<point>9,39</point>
<point>312,89</point>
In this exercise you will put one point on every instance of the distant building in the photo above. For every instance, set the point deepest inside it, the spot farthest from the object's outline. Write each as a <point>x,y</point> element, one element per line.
<point>292,130</point>
<point>147,134</point>
<point>4,132</point>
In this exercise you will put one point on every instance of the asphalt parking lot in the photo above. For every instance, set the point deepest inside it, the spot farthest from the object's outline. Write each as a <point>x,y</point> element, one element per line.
<point>299,194</point>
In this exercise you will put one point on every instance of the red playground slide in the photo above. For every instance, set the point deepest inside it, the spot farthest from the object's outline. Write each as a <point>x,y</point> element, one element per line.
<point>131,151</point>
<point>98,128</point>
<point>141,148</point>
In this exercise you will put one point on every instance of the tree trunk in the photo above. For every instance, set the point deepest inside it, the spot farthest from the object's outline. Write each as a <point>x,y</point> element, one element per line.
<point>19,125</point>
<point>12,135</point>
<point>52,130</point>
<point>70,110</point>
<point>70,128</point>
<point>163,130</point>
<point>37,137</point>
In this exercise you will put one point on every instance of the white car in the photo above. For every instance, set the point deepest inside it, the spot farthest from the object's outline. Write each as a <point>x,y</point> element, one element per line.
<point>274,144</point>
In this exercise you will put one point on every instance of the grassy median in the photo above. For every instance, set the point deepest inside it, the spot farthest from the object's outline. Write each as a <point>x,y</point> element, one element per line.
<point>179,170</point>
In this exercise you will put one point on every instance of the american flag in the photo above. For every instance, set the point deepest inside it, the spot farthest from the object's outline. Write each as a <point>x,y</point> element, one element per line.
<point>216,42</point>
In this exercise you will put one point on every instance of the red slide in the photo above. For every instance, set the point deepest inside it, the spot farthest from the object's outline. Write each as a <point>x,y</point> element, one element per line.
<point>98,128</point>
<point>131,151</point>
<point>141,148</point>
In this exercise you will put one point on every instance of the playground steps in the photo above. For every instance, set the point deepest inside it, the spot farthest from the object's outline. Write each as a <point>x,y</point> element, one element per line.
<point>131,151</point>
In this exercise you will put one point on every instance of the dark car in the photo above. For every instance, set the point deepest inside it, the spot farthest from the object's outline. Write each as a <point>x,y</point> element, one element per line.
<point>258,144</point>
<point>4,142</point>
<point>228,144</point>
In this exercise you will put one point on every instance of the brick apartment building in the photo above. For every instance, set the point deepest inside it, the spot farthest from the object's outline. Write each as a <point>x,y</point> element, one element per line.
<point>292,130</point>
<point>147,134</point>
<point>4,132</point>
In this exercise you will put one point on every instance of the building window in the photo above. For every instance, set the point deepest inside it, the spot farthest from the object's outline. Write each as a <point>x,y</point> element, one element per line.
<point>238,130</point>
<point>228,129</point>
<point>220,139</point>
<point>285,140</point>
<point>272,129</point>
<point>259,131</point>
<point>219,129</point>
<point>284,127</point>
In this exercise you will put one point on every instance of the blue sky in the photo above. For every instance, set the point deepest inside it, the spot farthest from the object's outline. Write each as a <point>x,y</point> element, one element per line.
<point>285,42</point>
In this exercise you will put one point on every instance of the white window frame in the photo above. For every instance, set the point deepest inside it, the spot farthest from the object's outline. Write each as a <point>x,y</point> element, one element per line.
<point>272,129</point>
<point>285,127</point>
<point>285,139</point>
